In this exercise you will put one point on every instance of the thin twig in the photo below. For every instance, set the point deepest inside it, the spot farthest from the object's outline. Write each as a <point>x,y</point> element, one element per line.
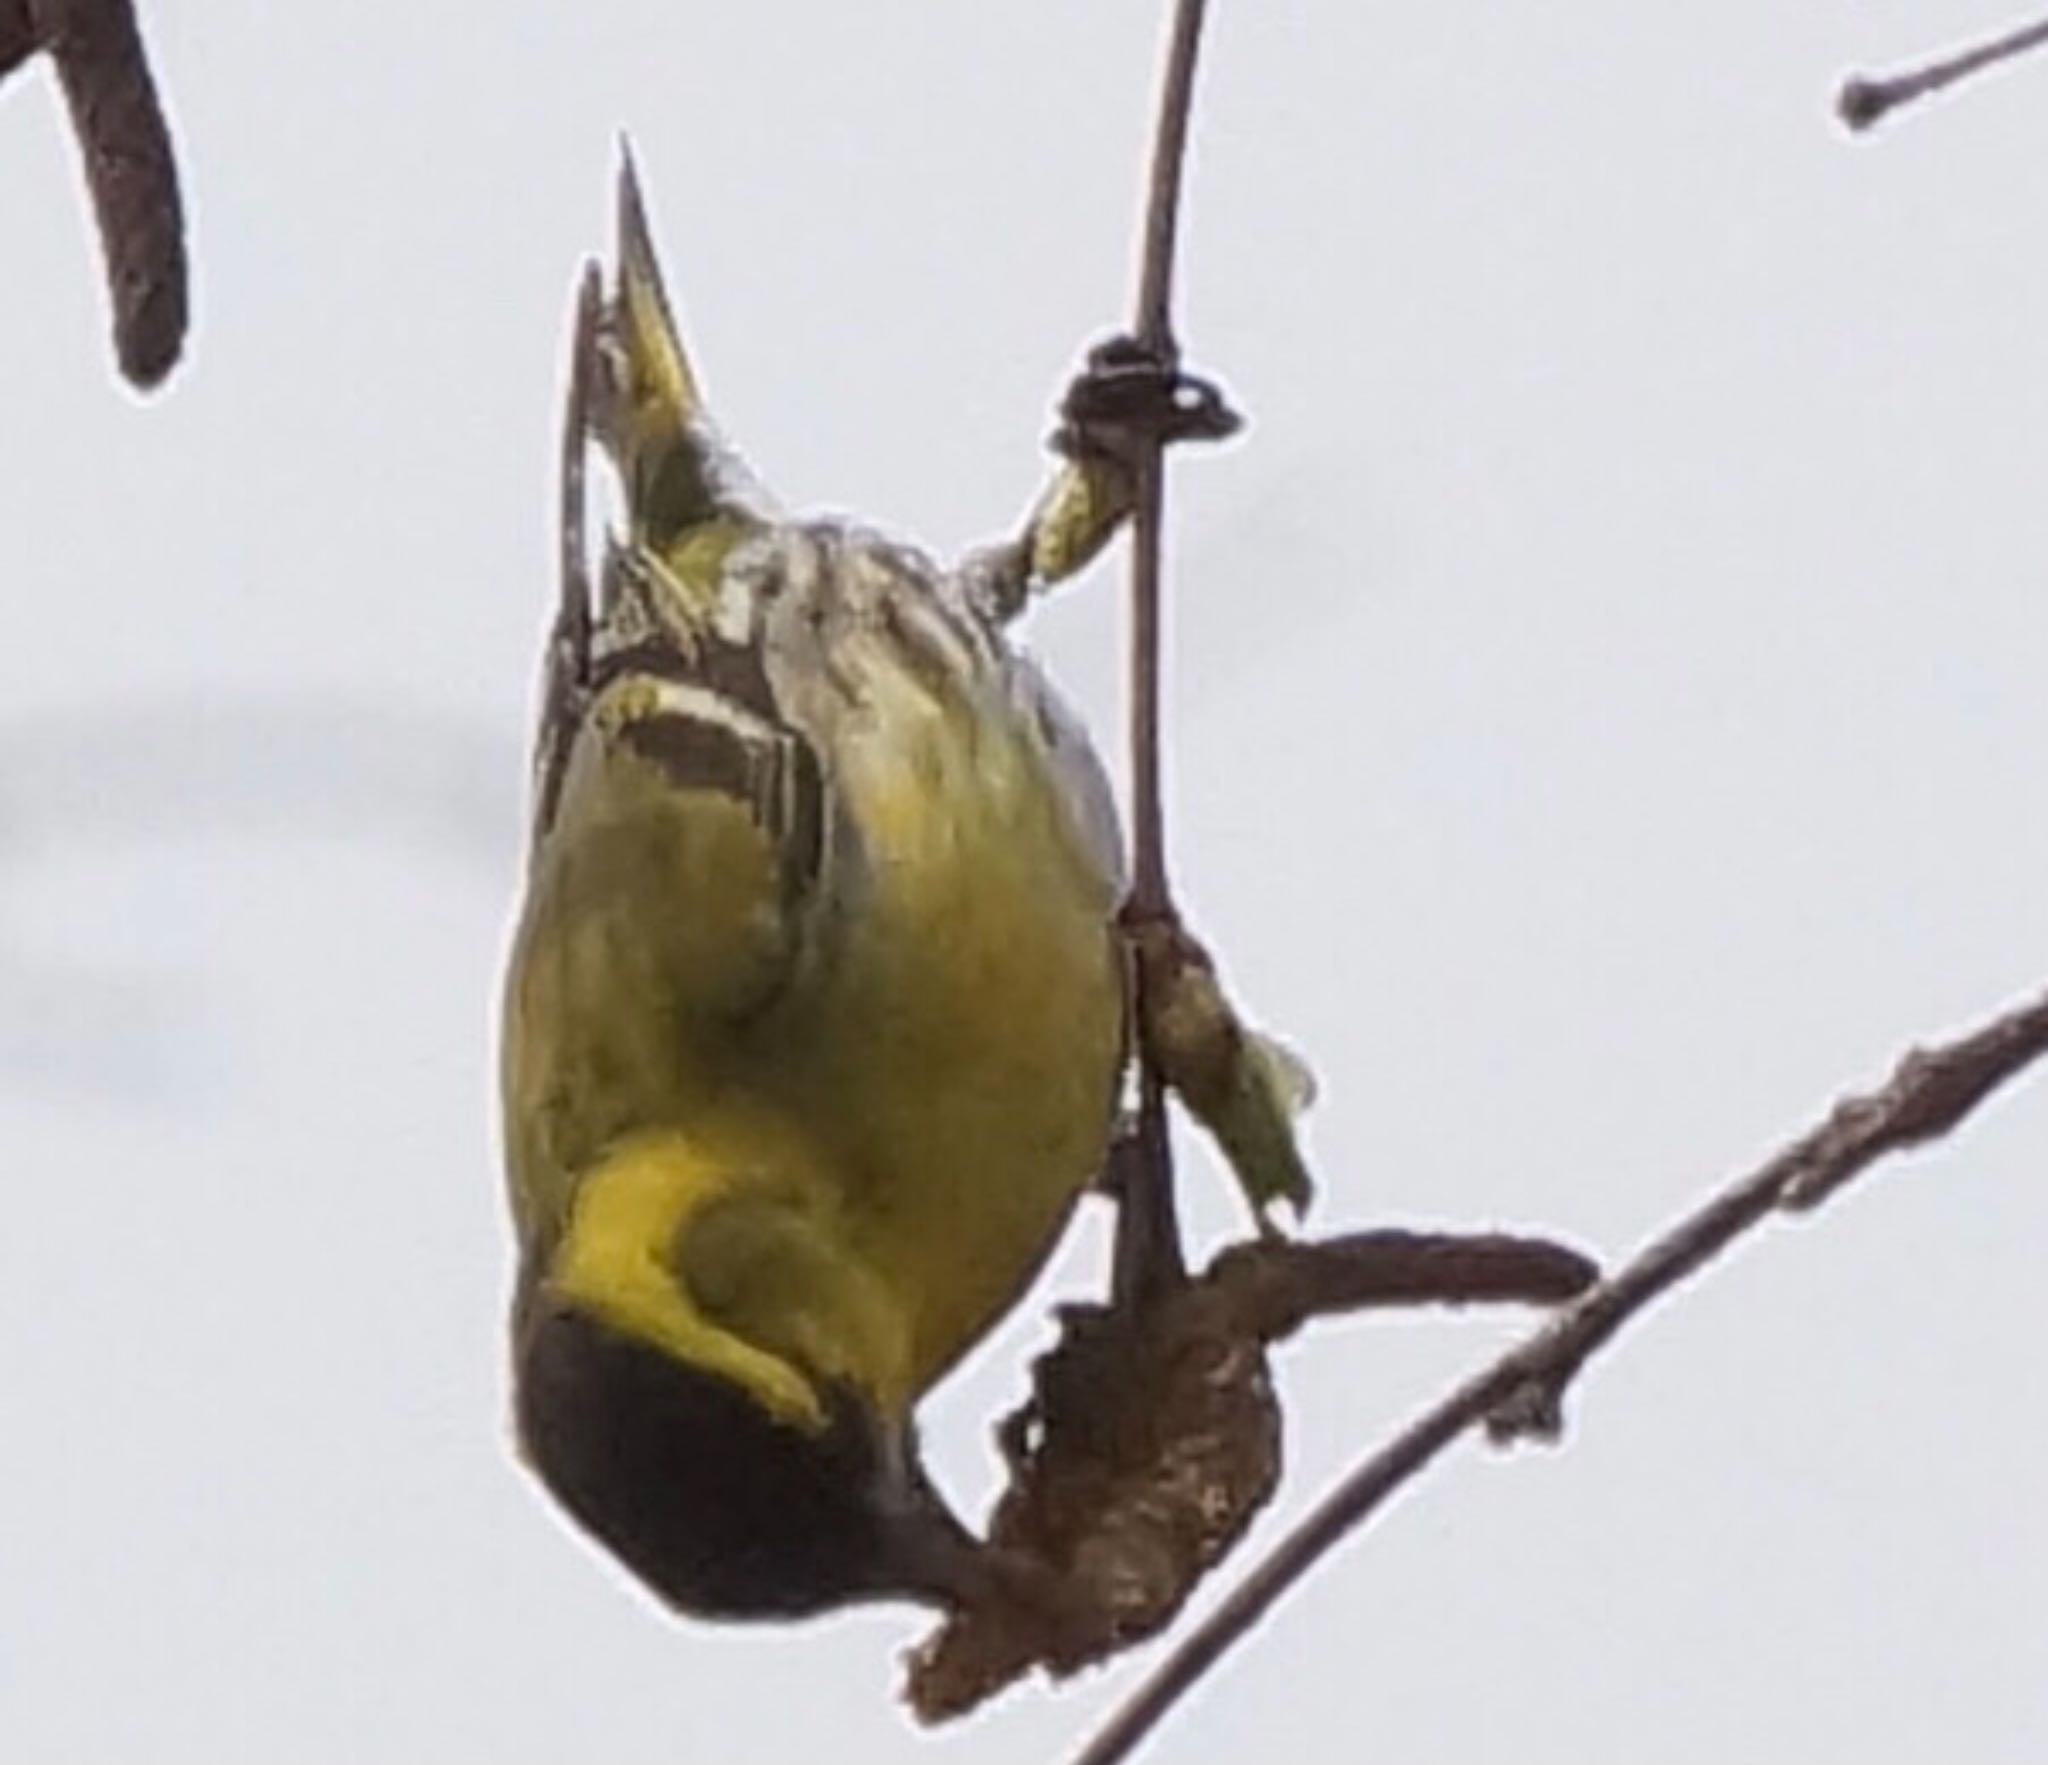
<point>1169,156</point>
<point>129,167</point>
<point>1276,1285</point>
<point>1863,101</point>
<point>1148,1241</point>
<point>1149,1252</point>
<point>1929,1094</point>
<point>1150,893</point>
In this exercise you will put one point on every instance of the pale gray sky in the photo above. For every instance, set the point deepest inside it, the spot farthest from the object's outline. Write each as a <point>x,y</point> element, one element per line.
<point>1608,721</point>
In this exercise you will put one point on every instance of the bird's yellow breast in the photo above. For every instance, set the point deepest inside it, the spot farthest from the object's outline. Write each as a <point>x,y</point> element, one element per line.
<point>943,1053</point>
<point>968,1041</point>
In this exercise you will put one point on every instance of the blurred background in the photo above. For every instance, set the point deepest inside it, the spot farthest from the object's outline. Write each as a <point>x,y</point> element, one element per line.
<point>1607,719</point>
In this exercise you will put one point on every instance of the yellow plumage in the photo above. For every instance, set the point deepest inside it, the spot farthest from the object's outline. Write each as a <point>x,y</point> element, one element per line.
<point>814,1027</point>
<point>923,1058</point>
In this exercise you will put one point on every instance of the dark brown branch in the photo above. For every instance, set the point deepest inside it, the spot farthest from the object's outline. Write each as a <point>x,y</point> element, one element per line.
<point>17,34</point>
<point>1148,1246</point>
<point>1863,101</point>
<point>1169,157</point>
<point>1149,1252</point>
<point>1930,1093</point>
<point>1150,895</point>
<point>129,167</point>
<point>1275,1285</point>
<point>1130,403</point>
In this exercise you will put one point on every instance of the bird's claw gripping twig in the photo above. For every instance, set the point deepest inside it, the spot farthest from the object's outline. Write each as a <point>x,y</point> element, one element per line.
<point>1131,396</point>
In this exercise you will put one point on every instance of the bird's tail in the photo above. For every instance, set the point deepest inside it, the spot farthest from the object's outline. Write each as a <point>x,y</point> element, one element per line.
<point>644,408</point>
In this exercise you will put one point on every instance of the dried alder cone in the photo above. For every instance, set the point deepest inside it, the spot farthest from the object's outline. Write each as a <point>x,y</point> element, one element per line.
<point>1153,1438</point>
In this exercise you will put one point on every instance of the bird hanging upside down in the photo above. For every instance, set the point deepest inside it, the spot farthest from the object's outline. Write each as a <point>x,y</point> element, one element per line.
<point>815,1025</point>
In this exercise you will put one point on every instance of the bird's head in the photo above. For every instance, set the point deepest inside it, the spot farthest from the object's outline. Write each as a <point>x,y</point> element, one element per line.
<point>711,1381</point>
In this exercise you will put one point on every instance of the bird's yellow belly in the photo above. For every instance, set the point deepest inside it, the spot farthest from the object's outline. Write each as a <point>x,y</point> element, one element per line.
<point>973,1025</point>
<point>947,1050</point>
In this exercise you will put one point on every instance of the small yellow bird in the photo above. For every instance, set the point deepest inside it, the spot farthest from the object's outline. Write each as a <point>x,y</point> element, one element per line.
<point>815,1021</point>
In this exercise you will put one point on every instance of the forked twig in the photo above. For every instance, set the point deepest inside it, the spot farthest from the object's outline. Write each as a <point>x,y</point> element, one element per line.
<point>1929,1094</point>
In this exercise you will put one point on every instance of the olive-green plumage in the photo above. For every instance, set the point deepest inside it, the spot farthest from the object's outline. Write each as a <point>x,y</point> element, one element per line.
<point>815,1019</point>
<point>814,1022</point>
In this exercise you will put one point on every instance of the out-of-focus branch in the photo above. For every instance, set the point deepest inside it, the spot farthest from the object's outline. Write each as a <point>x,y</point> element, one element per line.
<point>17,35</point>
<point>129,166</point>
<point>1863,101</point>
<point>1521,1394</point>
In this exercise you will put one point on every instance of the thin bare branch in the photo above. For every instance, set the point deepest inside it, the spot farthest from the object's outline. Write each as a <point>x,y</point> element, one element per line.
<point>1930,1093</point>
<point>1148,1246</point>
<point>1169,157</point>
<point>1148,1240</point>
<point>1863,101</point>
<point>1154,332</point>
<point>1275,1285</point>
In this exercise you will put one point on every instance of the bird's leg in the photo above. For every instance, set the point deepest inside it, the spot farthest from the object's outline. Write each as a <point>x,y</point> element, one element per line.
<point>1131,396</point>
<point>931,1555</point>
<point>1124,394</point>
